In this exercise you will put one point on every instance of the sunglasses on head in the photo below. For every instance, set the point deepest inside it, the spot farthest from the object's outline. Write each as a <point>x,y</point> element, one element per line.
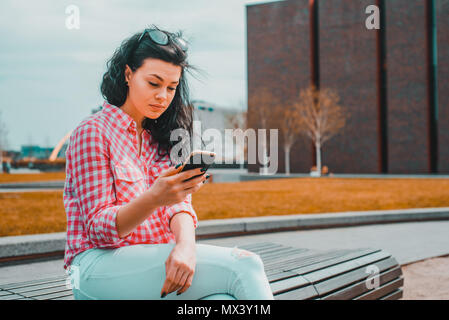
<point>161,38</point>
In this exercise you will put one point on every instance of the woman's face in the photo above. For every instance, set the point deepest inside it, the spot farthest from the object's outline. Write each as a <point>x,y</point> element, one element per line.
<point>152,87</point>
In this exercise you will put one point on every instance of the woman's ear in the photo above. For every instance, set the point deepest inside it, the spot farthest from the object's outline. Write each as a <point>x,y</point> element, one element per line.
<point>128,73</point>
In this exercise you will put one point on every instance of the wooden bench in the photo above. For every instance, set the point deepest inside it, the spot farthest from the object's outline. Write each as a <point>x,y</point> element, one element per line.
<point>293,273</point>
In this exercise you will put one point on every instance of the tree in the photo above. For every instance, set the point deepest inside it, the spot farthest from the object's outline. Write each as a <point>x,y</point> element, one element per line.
<point>288,121</point>
<point>321,116</point>
<point>239,121</point>
<point>262,109</point>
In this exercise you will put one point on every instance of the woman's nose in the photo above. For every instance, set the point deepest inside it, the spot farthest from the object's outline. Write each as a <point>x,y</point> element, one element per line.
<point>161,94</point>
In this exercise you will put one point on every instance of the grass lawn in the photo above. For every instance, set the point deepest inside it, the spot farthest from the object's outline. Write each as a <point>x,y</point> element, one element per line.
<point>31,177</point>
<point>42,212</point>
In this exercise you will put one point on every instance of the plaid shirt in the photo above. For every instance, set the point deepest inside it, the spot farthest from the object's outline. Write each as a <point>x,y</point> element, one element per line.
<point>105,172</point>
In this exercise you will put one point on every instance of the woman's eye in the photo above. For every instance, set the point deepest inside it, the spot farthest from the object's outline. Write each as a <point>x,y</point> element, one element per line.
<point>155,85</point>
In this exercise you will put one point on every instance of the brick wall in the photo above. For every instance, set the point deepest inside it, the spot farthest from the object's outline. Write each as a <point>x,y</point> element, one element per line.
<point>442,14</point>
<point>407,98</point>
<point>348,64</point>
<point>279,59</point>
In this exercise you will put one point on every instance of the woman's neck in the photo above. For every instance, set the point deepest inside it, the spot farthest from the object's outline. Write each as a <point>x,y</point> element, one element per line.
<point>133,113</point>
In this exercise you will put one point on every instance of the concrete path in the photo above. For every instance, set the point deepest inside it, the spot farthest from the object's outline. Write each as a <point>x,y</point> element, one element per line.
<point>407,242</point>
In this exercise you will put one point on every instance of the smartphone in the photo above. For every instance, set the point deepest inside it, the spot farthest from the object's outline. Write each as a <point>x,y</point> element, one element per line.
<point>198,159</point>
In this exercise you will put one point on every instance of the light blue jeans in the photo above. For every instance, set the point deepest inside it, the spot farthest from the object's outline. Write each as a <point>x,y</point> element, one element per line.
<point>138,272</point>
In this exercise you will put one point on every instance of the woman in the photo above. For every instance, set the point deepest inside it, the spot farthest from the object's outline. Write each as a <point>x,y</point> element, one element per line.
<point>130,221</point>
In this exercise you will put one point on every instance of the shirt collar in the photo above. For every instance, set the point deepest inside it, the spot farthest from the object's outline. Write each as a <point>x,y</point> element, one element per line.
<point>125,120</point>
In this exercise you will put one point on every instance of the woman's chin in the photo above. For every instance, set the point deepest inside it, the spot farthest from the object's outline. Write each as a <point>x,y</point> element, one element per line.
<point>153,115</point>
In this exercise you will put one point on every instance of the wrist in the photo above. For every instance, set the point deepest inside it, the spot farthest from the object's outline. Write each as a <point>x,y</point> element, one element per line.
<point>186,243</point>
<point>181,224</point>
<point>151,200</point>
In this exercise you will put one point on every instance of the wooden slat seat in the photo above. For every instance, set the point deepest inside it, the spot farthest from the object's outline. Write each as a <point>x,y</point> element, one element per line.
<point>293,273</point>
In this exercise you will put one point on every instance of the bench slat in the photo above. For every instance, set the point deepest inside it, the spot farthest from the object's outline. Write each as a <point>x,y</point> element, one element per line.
<point>301,259</point>
<point>396,295</point>
<point>383,290</point>
<point>360,287</point>
<point>37,287</point>
<point>332,271</point>
<point>282,255</point>
<point>304,293</point>
<point>52,296</point>
<point>280,275</point>
<point>288,284</point>
<point>4,293</point>
<point>16,285</point>
<point>326,263</point>
<point>70,297</point>
<point>62,290</point>
<point>11,297</point>
<point>349,278</point>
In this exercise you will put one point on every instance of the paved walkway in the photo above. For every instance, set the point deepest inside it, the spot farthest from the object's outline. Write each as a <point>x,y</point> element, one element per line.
<point>407,242</point>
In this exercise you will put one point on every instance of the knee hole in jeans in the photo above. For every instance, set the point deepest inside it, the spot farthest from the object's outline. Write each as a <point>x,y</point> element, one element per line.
<point>246,255</point>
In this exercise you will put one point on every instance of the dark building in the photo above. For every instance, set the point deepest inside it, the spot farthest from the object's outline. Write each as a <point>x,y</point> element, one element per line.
<point>37,152</point>
<point>392,80</point>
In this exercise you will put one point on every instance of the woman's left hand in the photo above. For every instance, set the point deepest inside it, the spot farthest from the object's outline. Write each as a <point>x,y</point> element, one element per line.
<point>179,268</point>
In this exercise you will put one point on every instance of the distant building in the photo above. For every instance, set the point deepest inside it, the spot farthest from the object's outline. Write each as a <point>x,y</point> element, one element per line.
<point>33,151</point>
<point>213,116</point>
<point>393,80</point>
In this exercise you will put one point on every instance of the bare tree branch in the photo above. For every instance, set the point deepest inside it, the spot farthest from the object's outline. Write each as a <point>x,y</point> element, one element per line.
<point>321,116</point>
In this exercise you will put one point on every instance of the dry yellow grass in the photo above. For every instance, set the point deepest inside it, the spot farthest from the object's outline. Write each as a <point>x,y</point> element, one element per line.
<point>40,212</point>
<point>31,177</point>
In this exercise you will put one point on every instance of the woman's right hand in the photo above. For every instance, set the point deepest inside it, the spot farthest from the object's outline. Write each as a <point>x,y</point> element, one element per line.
<point>170,188</point>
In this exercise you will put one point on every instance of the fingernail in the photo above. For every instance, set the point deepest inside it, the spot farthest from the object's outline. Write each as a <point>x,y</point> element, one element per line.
<point>178,165</point>
<point>163,294</point>
<point>203,169</point>
<point>207,177</point>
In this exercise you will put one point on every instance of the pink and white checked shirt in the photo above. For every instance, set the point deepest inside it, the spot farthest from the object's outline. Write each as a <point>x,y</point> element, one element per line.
<point>103,173</point>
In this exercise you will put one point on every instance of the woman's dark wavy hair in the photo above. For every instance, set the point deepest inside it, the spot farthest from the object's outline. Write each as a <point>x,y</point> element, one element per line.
<point>133,53</point>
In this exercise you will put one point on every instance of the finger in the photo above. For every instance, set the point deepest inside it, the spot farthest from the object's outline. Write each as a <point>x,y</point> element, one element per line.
<point>189,174</point>
<point>183,288</point>
<point>171,171</point>
<point>193,182</point>
<point>170,273</point>
<point>177,281</point>
<point>187,284</point>
<point>194,189</point>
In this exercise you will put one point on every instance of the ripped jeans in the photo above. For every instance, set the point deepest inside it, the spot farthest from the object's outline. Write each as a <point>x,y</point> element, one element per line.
<point>138,272</point>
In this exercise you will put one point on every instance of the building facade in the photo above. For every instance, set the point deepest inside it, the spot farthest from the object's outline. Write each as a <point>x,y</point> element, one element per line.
<point>392,80</point>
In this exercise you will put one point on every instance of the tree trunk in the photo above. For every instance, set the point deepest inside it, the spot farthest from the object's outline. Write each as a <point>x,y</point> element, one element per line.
<point>318,158</point>
<point>287,160</point>
<point>264,156</point>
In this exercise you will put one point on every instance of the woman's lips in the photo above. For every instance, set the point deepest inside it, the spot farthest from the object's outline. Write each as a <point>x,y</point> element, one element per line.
<point>156,106</point>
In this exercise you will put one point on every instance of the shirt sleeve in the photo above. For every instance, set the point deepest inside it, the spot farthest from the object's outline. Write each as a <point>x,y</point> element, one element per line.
<point>184,206</point>
<point>93,185</point>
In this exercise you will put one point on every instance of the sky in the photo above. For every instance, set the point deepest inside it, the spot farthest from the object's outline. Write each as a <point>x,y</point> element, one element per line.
<point>50,75</point>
